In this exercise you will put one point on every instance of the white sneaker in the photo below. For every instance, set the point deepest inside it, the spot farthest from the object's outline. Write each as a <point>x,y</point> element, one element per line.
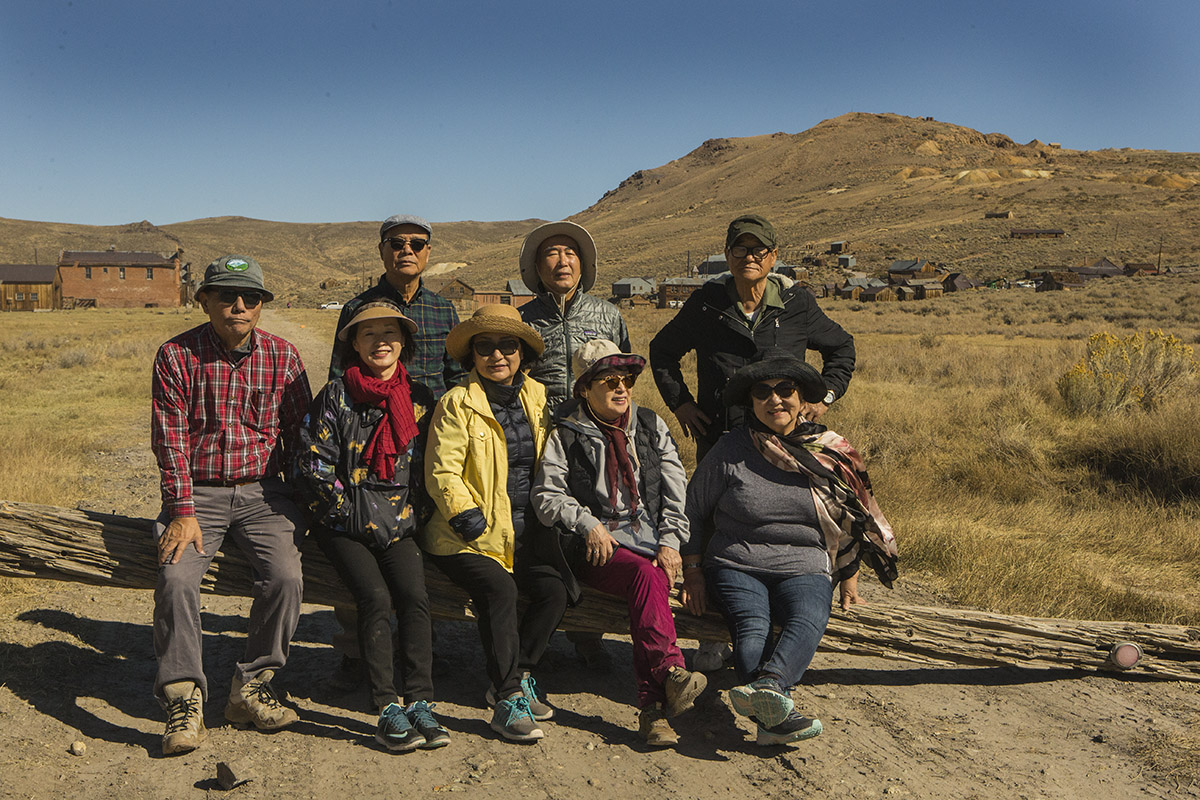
<point>712,656</point>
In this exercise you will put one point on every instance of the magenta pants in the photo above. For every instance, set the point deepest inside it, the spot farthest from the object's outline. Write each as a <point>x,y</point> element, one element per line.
<point>644,587</point>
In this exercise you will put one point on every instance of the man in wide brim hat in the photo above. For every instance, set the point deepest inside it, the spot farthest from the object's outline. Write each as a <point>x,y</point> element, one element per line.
<point>585,247</point>
<point>774,362</point>
<point>492,318</point>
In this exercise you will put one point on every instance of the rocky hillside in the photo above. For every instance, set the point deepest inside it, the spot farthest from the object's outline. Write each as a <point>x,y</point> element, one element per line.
<point>893,186</point>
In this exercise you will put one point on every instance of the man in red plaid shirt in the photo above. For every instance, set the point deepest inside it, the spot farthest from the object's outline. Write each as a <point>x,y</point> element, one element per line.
<point>228,400</point>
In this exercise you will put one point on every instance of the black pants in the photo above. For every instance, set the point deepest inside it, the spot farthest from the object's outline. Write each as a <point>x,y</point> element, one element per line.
<point>510,645</point>
<point>379,581</point>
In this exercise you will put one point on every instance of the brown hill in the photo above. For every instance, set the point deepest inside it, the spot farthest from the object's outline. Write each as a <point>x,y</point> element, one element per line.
<point>893,186</point>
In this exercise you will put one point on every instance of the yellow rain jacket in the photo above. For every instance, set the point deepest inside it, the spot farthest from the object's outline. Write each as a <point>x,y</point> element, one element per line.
<point>466,466</point>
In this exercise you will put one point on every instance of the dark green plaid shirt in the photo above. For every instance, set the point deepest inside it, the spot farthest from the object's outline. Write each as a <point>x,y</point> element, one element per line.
<point>434,315</point>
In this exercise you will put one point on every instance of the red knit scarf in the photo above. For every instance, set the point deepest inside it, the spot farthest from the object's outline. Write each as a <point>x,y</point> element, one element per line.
<point>617,464</point>
<point>398,426</point>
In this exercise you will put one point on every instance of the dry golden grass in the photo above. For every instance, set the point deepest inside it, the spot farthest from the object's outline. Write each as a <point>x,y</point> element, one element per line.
<point>998,495</point>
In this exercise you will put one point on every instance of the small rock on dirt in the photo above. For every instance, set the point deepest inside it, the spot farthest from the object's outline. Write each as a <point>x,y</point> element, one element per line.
<point>232,773</point>
<point>78,748</point>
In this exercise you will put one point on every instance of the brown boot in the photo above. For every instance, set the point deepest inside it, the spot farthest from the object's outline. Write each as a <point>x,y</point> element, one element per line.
<point>255,702</point>
<point>683,688</point>
<point>654,728</point>
<point>185,718</point>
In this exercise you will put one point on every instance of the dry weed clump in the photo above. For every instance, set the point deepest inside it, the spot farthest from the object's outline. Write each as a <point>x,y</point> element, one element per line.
<point>1156,453</point>
<point>1117,374</point>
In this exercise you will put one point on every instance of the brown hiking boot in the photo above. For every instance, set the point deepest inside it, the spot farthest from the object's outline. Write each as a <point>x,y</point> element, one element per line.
<point>654,728</point>
<point>683,688</point>
<point>185,718</point>
<point>255,702</point>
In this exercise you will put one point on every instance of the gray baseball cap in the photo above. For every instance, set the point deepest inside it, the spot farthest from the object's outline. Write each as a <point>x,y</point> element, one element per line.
<point>234,272</point>
<point>396,220</point>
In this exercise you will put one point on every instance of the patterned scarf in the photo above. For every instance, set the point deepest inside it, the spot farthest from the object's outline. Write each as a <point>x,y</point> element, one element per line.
<point>618,467</point>
<point>398,426</point>
<point>853,525</point>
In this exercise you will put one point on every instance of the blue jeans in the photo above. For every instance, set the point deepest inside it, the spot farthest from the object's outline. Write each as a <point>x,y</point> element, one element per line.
<point>751,600</point>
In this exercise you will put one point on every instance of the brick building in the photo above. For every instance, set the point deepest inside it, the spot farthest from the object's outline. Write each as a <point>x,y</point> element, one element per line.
<point>114,279</point>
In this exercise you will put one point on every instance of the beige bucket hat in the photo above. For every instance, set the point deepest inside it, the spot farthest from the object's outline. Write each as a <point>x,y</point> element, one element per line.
<point>380,309</point>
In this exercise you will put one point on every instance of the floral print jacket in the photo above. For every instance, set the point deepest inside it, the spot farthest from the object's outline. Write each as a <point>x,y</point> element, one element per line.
<point>339,492</point>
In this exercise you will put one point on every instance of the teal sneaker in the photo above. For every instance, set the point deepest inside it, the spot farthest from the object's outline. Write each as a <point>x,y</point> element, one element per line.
<point>513,720</point>
<point>537,703</point>
<point>794,728</point>
<point>395,732</point>
<point>420,714</point>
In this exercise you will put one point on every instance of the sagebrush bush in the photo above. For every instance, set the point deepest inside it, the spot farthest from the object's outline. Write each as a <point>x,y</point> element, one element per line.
<point>1116,374</point>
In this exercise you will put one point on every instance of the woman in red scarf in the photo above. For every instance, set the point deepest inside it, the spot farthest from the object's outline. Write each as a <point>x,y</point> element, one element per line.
<point>612,486</point>
<point>361,466</point>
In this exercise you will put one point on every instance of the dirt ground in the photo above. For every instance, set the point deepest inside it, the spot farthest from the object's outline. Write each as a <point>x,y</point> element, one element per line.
<point>77,665</point>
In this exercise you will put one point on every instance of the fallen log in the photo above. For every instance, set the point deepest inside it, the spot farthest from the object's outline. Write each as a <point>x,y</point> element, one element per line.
<point>109,550</point>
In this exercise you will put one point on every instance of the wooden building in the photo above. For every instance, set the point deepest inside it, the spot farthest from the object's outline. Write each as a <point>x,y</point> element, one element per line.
<point>836,248</point>
<point>998,215</point>
<point>30,287</point>
<point>521,294</point>
<point>673,291</point>
<point>956,282</point>
<point>927,290</point>
<point>633,287</point>
<point>460,293</point>
<point>910,269</point>
<point>878,294</point>
<point>713,265</point>
<point>115,279</point>
<point>1036,233</point>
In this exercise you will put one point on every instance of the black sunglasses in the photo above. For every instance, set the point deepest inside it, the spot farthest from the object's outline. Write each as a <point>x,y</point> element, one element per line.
<point>397,243</point>
<point>738,251</point>
<point>485,347</point>
<point>230,296</point>
<point>763,391</point>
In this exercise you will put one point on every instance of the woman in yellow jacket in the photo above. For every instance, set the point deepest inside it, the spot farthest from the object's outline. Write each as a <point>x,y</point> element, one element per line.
<point>485,442</point>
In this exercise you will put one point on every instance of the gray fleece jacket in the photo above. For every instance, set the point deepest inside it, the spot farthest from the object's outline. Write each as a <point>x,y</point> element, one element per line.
<point>554,504</point>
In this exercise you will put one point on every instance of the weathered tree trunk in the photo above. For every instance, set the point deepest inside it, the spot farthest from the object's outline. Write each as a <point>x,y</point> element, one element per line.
<point>108,550</point>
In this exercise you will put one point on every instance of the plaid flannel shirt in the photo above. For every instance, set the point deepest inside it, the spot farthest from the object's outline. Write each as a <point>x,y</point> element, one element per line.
<point>218,418</point>
<point>434,315</point>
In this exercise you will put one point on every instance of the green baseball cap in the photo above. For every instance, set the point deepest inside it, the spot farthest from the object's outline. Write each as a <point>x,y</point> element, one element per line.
<point>234,272</point>
<point>754,225</point>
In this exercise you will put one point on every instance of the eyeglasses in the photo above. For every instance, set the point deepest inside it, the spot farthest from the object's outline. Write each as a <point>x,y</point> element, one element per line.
<point>613,381</point>
<point>250,297</point>
<point>763,391</point>
<point>738,251</point>
<point>485,347</point>
<point>397,243</point>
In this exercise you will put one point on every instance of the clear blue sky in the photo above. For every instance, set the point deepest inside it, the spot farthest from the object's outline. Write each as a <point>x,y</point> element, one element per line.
<point>113,111</point>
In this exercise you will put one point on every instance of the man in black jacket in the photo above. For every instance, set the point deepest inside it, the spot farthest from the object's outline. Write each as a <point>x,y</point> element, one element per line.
<point>728,319</point>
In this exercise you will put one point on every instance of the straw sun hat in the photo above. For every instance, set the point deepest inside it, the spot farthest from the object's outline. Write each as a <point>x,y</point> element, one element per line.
<point>491,318</point>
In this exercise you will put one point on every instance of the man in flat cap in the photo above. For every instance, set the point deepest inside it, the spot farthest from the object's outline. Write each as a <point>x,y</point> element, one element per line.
<point>227,402</point>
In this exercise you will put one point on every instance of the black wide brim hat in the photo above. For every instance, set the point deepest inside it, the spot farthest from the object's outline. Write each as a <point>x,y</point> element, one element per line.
<point>769,364</point>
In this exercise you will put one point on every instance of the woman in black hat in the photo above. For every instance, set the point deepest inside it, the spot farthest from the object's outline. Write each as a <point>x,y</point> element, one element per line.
<point>780,509</point>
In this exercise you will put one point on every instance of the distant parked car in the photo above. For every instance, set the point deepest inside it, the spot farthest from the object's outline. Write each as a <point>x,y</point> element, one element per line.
<point>336,306</point>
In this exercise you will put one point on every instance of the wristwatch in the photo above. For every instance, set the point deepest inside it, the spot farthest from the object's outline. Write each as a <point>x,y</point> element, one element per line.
<point>829,398</point>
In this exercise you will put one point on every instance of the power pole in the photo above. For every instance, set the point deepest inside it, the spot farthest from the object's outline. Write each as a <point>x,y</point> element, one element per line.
<point>1160,242</point>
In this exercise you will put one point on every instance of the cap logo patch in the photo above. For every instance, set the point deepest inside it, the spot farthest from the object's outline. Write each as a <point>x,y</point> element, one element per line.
<point>236,265</point>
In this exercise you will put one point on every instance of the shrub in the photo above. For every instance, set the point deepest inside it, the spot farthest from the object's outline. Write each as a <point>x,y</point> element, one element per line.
<point>1116,374</point>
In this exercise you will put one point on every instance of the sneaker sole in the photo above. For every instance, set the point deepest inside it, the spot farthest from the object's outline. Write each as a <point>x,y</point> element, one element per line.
<point>200,737</point>
<point>532,736</point>
<point>766,739</point>
<point>769,708</point>
<point>397,748</point>
<point>435,743</point>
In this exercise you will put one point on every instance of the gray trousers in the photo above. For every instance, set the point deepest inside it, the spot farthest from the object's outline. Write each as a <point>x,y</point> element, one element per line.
<point>267,527</point>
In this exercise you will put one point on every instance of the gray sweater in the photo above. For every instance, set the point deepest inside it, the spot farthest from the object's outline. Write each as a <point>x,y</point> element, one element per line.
<point>753,515</point>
